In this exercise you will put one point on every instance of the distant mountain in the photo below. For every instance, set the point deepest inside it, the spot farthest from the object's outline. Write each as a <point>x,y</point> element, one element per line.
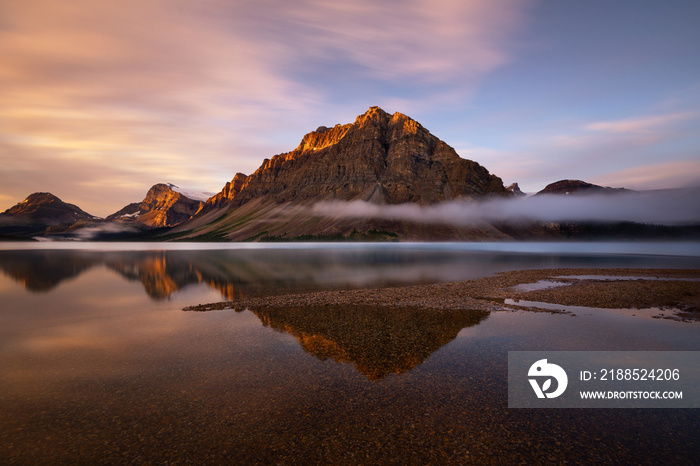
<point>46,208</point>
<point>579,187</point>
<point>37,213</point>
<point>515,189</point>
<point>163,206</point>
<point>380,159</point>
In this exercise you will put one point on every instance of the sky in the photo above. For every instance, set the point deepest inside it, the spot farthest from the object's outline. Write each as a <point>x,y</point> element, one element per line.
<point>101,100</point>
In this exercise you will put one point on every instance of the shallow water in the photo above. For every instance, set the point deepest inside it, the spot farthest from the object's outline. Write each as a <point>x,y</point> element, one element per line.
<point>99,364</point>
<point>626,278</point>
<point>628,322</point>
<point>539,285</point>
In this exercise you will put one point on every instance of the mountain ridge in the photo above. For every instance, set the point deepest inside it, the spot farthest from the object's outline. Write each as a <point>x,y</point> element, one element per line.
<point>162,207</point>
<point>567,187</point>
<point>380,159</point>
<point>38,212</point>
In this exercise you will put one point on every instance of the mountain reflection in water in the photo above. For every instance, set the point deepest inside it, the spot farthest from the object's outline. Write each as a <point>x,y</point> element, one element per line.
<point>97,366</point>
<point>246,272</point>
<point>235,274</point>
<point>378,340</point>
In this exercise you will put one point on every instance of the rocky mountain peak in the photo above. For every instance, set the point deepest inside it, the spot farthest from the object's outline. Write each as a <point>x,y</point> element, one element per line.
<point>46,206</point>
<point>374,115</point>
<point>38,198</point>
<point>567,187</point>
<point>38,212</point>
<point>158,195</point>
<point>162,207</point>
<point>31,203</point>
<point>515,189</point>
<point>379,158</point>
<point>226,195</point>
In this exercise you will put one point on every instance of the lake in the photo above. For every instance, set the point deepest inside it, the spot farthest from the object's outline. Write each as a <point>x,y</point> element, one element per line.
<point>100,364</point>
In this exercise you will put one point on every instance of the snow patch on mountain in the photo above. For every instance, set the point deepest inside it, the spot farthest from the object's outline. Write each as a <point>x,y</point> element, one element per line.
<point>193,194</point>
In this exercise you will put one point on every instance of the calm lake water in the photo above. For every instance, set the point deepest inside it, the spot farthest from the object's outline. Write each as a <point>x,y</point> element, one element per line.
<point>99,364</point>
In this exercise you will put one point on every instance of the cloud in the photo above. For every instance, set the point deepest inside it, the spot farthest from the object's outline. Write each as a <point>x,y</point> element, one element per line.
<point>427,41</point>
<point>626,152</point>
<point>140,87</point>
<point>190,92</point>
<point>607,138</point>
<point>92,232</point>
<point>639,125</point>
<point>675,207</point>
<point>654,176</point>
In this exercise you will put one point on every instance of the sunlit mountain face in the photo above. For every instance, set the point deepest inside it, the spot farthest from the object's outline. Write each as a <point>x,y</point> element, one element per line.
<point>163,206</point>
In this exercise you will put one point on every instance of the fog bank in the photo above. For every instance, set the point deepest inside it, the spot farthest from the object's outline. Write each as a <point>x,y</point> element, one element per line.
<point>93,232</point>
<point>670,207</point>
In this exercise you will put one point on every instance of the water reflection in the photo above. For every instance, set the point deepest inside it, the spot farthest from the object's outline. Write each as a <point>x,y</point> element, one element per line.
<point>240,273</point>
<point>96,367</point>
<point>378,340</point>
<point>39,271</point>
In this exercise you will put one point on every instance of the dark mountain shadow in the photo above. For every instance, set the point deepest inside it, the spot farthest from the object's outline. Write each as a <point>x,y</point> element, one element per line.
<point>378,340</point>
<point>41,271</point>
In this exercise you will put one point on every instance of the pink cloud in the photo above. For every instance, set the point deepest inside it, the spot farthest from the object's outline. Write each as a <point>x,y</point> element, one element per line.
<point>422,40</point>
<point>654,176</point>
<point>644,124</point>
<point>194,91</point>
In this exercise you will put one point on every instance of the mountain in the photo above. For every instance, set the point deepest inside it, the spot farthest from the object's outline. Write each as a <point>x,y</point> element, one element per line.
<point>579,187</point>
<point>370,180</point>
<point>163,206</point>
<point>380,159</point>
<point>515,189</point>
<point>37,213</point>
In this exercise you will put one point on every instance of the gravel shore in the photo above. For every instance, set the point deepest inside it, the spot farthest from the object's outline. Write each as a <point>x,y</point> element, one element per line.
<point>619,288</point>
<point>401,375</point>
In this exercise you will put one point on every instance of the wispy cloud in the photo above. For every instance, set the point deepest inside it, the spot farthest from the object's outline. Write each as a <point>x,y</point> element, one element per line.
<point>655,176</point>
<point>148,89</point>
<point>428,41</point>
<point>639,125</point>
<point>638,152</point>
<point>92,232</point>
<point>194,91</point>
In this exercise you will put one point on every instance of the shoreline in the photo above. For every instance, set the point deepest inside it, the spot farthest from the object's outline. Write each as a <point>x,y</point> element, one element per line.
<point>622,288</point>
